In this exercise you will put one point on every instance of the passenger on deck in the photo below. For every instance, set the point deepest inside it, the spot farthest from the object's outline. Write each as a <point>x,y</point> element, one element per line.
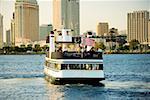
<point>92,51</point>
<point>79,49</point>
<point>85,49</point>
<point>59,49</point>
<point>65,49</point>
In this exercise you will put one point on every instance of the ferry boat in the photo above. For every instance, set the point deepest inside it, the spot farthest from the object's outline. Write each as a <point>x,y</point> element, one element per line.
<point>67,61</point>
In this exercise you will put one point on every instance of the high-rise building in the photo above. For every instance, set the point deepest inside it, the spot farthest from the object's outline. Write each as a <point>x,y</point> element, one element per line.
<point>149,31</point>
<point>1,31</point>
<point>45,30</point>
<point>8,38</point>
<point>13,31</point>
<point>137,26</point>
<point>102,28</point>
<point>26,21</point>
<point>66,15</point>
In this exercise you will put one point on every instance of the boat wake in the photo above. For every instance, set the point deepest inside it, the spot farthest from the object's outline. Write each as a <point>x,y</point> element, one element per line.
<point>10,76</point>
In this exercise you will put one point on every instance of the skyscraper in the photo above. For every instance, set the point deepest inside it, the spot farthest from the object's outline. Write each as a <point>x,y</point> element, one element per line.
<point>13,30</point>
<point>26,21</point>
<point>149,31</point>
<point>137,26</point>
<point>1,31</point>
<point>45,30</point>
<point>102,28</point>
<point>8,38</point>
<point>66,15</point>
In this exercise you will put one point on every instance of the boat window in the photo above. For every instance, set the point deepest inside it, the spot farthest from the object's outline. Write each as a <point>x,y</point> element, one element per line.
<point>81,67</point>
<point>74,66</point>
<point>57,66</point>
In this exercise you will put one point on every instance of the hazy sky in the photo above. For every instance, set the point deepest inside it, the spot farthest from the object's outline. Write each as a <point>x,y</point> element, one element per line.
<point>91,12</point>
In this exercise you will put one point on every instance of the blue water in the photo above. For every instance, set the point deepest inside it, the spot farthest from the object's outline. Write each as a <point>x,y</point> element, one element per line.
<point>127,78</point>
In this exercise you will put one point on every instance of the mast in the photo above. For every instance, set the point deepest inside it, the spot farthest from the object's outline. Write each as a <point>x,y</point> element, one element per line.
<point>52,43</point>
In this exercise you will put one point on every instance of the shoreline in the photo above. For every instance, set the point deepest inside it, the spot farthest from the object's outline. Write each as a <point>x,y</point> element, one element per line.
<point>39,53</point>
<point>126,52</point>
<point>43,53</point>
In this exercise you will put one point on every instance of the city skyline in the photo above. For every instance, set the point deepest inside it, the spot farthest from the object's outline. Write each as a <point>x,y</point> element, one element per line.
<point>104,11</point>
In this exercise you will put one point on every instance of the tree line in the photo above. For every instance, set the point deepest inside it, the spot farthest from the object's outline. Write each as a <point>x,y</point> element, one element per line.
<point>23,49</point>
<point>133,46</point>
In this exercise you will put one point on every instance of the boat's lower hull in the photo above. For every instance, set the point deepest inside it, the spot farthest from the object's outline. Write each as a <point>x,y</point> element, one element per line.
<point>54,80</point>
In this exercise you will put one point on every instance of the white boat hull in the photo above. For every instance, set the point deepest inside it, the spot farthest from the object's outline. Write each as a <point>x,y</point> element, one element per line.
<point>72,76</point>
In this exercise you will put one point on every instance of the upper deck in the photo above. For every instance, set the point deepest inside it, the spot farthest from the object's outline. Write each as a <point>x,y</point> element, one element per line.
<point>75,55</point>
<point>65,46</point>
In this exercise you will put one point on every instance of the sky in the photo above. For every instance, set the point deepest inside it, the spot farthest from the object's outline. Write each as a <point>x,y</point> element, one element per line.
<point>91,12</point>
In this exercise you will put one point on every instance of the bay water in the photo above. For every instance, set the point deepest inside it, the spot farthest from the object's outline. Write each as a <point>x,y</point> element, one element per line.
<point>127,78</point>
